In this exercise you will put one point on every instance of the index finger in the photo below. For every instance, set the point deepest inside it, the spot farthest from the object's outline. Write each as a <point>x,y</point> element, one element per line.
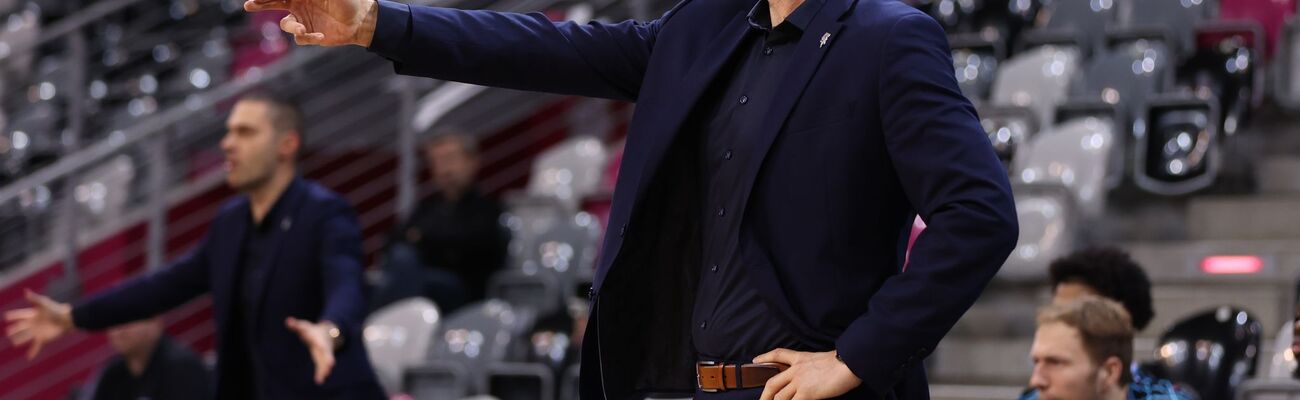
<point>265,5</point>
<point>783,356</point>
<point>775,385</point>
<point>19,314</point>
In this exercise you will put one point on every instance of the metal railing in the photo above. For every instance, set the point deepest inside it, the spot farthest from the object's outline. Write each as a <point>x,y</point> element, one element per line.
<point>136,188</point>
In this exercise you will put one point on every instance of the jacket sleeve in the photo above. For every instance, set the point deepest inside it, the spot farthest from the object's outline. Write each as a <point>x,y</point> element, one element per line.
<point>516,51</point>
<point>147,295</point>
<point>953,179</point>
<point>341,275</point>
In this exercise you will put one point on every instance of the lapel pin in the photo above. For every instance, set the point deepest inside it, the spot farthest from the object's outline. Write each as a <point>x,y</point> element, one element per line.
<point>285,224</point>
<point>825,36</point>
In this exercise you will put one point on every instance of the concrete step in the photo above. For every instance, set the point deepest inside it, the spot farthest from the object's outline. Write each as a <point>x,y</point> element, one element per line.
<point>1181,260</point>
<point>1000,315</point>
<point>1180,288</point>
<point>1239,217</point>
<point>975,392</point>
<point>1279,175</point>
<point>982,361</point>
<point>978,368</point>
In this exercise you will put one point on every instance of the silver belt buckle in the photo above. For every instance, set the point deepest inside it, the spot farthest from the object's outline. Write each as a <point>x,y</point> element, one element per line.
<point>699,384</point>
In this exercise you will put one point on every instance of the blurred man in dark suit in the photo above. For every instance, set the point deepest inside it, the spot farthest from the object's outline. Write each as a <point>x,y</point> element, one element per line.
<point>283,264</point>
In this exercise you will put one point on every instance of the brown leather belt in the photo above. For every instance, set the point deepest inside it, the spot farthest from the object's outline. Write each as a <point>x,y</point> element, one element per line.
<point>719,377</point>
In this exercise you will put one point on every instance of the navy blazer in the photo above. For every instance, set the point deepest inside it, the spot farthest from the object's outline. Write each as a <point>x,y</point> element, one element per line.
<point>868,130</point>
<point>313,272</point>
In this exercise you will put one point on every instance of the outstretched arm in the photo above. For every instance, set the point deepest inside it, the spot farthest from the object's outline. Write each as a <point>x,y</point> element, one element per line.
<point>138,298</point>
<point>511,50</point>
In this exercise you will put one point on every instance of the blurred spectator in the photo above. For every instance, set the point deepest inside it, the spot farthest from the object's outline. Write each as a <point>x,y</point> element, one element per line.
<point>149,365</point>
<point>453,241</point>
<point>1107,272</point>
<point>1081,351</point>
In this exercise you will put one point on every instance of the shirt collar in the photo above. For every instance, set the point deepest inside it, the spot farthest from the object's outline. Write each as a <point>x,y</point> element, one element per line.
<point>760,16</point>
<point>277,208</point>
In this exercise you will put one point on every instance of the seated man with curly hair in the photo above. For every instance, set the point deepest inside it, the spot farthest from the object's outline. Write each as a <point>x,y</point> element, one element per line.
<point>1107,272</point>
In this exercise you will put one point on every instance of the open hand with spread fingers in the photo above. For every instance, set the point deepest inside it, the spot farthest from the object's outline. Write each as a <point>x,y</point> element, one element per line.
<point>319,343</point>
<point>39,324</point>
<point>324,22</point>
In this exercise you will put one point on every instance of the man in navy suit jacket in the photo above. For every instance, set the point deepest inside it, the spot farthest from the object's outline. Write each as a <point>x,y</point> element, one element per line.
<point>788,204</point>
<point>285,253</point>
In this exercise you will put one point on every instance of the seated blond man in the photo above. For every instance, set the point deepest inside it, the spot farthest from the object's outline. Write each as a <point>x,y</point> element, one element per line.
<point>1082,350</point>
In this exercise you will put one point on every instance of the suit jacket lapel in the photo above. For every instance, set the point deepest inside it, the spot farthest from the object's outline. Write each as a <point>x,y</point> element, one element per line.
<point>698,79</point>
<point>655,129</point>
<point>816,41</point>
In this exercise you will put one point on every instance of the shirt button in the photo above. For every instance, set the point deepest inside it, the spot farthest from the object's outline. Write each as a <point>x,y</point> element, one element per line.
<point>722,211</point>
<point>714,268</point>
<point>767,51</point>
<point>744,99</point>
<point>704,324</point>
<point>726,155</point>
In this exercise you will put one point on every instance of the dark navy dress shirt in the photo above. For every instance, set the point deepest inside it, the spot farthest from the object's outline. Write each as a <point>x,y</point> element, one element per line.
<point>730,320</point>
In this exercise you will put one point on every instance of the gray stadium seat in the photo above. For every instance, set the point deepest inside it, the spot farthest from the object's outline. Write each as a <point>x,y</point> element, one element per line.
<point>1083,22</point>
<point>1008,129</point>
<point>1287,89</point>
<point>565,249</point>
<point>476,336</point>
<point>1038,78</point>
<point>520,381</point>
<point>398,336</point>
<point>550,240</point>
<point>1126,77</point>
<point>1174,21</point>
<point>34,130</point>
<point>20,31</point>
<point>569,383</point>
<point>1048,230</point>
<point>1074,154</point>
<point>975,62</point>
<point>539,291</point>
<point>1283,363</point>
<point>104,191</point>
<point>569,171</point>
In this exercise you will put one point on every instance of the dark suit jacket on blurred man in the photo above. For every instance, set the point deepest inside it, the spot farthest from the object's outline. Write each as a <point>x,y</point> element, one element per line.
<point>309,268</point>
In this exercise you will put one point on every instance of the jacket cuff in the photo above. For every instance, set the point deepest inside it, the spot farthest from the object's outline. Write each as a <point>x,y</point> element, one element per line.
<point>392,30</point>
<point>877,354</point>
<point>81,319</point>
